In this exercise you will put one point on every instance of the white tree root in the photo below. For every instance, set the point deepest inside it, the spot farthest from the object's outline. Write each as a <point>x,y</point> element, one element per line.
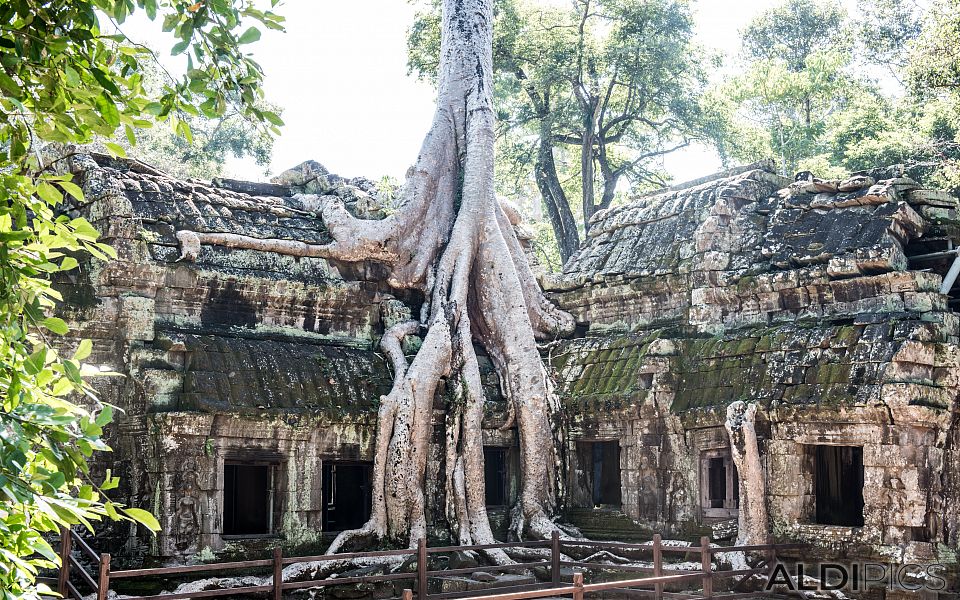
<point>452,240</point>
<point>753,520</point>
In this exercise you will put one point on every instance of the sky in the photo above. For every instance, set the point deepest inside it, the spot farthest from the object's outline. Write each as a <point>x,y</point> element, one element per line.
<point>339,73</point>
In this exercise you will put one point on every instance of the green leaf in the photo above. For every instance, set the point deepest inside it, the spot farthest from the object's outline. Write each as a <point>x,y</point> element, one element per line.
<point>73,78</point>
<point>84,230</point>
<point>108,110</point>
<point>83,350</point>
<point>56,325</point>
<point>9,85</point>
<point>14,236</point>
<point>179,47</point>
<point>72,371</point>
<point>72,189</point>
<point>49,193</point>
<point>104,79</point>
<point>68,263</point>
<point>34,363</point>
<point>272,117</point>
<point>115,149</point>
<point>143,517</point>
<point>249,36</point>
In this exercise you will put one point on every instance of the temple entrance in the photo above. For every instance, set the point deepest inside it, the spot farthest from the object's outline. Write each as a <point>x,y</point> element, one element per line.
<point>248,499</point>
<point>598,474</point>
<point>495,476</point>
<point>719,485</point>
<point>838,485</point>
<point>346,495</point>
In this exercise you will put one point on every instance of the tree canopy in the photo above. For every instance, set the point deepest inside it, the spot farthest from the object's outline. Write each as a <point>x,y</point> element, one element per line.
<point>588,96</point>
<point>68,75</point>
<point>826,92</point>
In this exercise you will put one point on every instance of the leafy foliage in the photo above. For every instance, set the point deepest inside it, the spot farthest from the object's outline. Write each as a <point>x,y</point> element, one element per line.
<point>889,28</point>
<point>68,75</point>
<point>796,76</point>
<point>806,96</point>
<point>935,62</point>
<point>205,154</point>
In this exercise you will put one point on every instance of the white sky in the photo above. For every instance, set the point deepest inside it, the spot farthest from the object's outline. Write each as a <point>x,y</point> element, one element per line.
<point>339,73</point>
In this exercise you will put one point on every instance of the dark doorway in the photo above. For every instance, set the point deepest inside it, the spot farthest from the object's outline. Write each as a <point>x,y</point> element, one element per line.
<point>346,495</point>
<point>248,499</point>
<point>599,466</point>
<point>717,476</point>
<point>719,485</point>
<point>495,475</point>
<point>838,484</point>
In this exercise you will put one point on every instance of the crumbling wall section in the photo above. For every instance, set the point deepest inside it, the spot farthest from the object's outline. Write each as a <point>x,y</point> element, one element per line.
<point>799,297</point>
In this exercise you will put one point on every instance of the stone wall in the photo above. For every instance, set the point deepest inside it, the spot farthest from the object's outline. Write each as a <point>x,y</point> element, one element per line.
<point>802,298</point>
<point>794,296</point>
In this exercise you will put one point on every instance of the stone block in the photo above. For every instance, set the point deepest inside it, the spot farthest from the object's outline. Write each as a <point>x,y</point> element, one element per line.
<point>136,317</point>
<point>924,301</point>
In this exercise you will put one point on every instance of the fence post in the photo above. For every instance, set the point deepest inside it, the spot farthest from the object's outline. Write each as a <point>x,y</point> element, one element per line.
<point>407,594</point>
<point>422,569</point>
<point>64,575</point>
<point>658,564</point>
<point>103,577</point>
<point>555,558</point>
<point>772,566</point>
<point>277,574</point>
<point>578,586</point>
<point>706,563</point>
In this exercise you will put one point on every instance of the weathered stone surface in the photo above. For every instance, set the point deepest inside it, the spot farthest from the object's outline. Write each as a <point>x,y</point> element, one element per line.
<point>800,301</point>
<point>798,297</point>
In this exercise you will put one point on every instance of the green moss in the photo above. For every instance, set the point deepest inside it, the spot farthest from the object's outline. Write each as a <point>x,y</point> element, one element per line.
<point>848,335</point>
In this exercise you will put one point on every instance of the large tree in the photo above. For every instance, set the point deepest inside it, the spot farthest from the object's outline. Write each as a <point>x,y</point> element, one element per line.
<point>613,83</point>
<point>454,242</point>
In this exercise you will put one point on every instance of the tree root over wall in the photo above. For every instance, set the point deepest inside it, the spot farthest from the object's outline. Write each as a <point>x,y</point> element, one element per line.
<point>452,240</point>
<point>754,523</point>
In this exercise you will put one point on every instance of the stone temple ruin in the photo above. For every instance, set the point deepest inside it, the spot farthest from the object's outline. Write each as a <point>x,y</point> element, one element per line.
<point>252,378</point>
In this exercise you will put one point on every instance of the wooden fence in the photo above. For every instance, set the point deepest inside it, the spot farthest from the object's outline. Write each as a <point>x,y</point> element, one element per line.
<point>98,582</point>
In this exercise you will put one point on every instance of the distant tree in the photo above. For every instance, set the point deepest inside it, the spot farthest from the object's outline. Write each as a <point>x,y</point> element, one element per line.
<point>796,73</point>
<point>886,31</point>
<point>213,142</point>
<point>613,83</point>
<point>202,148</point>
<point>805,95</point>
<point>795,30</point>
<point>935,60</point>
<point>67,77</point>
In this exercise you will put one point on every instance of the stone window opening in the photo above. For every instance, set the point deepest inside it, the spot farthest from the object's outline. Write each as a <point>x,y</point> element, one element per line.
<point>346,495</point>
<point>250,498</point>
<point>496,484</point>
<point>838,485</point>
<point>600,463</point>
<point>719,485</point>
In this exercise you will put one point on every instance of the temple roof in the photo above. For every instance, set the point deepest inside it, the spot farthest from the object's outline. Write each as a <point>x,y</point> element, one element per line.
<point>762,222</point>
<point>234,374</point>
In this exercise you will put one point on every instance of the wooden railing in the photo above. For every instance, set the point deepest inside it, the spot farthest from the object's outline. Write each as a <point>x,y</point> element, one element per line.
<point>98,580</point>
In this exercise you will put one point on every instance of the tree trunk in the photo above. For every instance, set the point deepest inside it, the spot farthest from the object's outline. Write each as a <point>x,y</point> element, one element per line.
<point>754,525</point>
<point>555,199</point>
<point>610,178</point>
<point>452,240</point>
<point>586,164</point>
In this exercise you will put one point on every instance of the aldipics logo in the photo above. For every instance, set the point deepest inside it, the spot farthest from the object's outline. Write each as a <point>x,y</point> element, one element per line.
<point>858,576</point>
